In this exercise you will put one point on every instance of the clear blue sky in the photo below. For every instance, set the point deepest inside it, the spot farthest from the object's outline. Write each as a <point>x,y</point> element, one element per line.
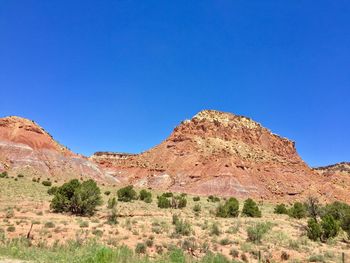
<point>120,75</point>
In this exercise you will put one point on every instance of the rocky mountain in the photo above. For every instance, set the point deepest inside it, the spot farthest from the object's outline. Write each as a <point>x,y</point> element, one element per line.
<point>214,153</point>
<point>27,148</point>
<point>221,154</point>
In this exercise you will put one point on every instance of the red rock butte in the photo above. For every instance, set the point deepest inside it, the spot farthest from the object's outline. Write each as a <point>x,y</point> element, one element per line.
<point>214,153</point>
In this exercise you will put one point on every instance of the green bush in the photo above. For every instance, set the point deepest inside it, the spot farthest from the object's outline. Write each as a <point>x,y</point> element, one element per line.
<point>281,209</point>
<point>168,194</point>
<point>330,227</point>
<point>3,175</point>
<point>46,183</point>
<point>77,198</point>
<point>251,209</point>
<point>179,201</point>
<point>314,230</point>
<point>257,232</point>
<point>183,228</point>
<point>11,229</point>
<point>175,219</point>
<point>197,208</point>
<point>145,196</point>
<point>20,175</point>
<point>196,198</point>
<point>345,224</point>
<point>336,209</point>
<point>52,190</point>
<point>163,202</point>
<point>213,199</point>
<point>298,211</point>
<point>107,193</point>
<point>111,202</point>
<point>126,194</point>
<point>215,229</point>
<point>229,209</point>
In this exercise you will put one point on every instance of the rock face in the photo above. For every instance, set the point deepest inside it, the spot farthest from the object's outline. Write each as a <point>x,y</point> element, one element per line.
<point>221,154</point>
<point>25,147</point>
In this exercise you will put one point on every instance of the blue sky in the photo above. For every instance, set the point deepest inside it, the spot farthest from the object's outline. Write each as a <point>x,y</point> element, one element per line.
<point>120,75</point>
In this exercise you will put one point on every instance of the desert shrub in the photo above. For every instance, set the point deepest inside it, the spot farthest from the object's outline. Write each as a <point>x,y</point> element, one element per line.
<point>3,175</point>
<point>317,258</point>
<point>163,202</point>
<point>251,209</point>
<point>46,183</point>
<point>183,227</point>
<point>213,199</point>
<point>179,201</point>
<point>196,198</point>
<point>149,242</point>
<point>140,248</point>
<point>229,209</point>
<point>197,208</point>
<point>215,230</point>
<point>126,194</point>
<point>298,210</point>
<point>84,224</point>
<point>336,209</point>
<point>168,194</point>
<point>112,214</point>
<point>107,193</point>
<point>225,241</point>
<point>257,231</point>
<point>11,229</point>
<point>145,196</point>
<point>281,209</point>
<point>330,227</point>
<point>20,175</point>
<point>234,253</point>
<point>111,202</point>
<point>52,190</point>
<point>49,224</point>
<point>175,219</point>
<point>345,224</point>
<point>314,230</point>
<point>97,232</point>
<point>77,198</point>
<point>10,213</point>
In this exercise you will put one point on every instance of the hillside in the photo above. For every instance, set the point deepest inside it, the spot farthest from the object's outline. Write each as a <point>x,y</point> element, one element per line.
<point>27,148</point>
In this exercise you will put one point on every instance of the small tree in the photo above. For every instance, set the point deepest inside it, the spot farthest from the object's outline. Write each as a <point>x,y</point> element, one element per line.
<point>297,210</point>
<point>229,209</point>
<point>251,209</point>
<point>163,202</point>
<point>77,198</point>
<point>313,207</point>
<point>330,227</point>
<point>145,196</point>
<point>126,194</point>
<point>314,230</point>
<point>281,209</point>
<point>336,209</point>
